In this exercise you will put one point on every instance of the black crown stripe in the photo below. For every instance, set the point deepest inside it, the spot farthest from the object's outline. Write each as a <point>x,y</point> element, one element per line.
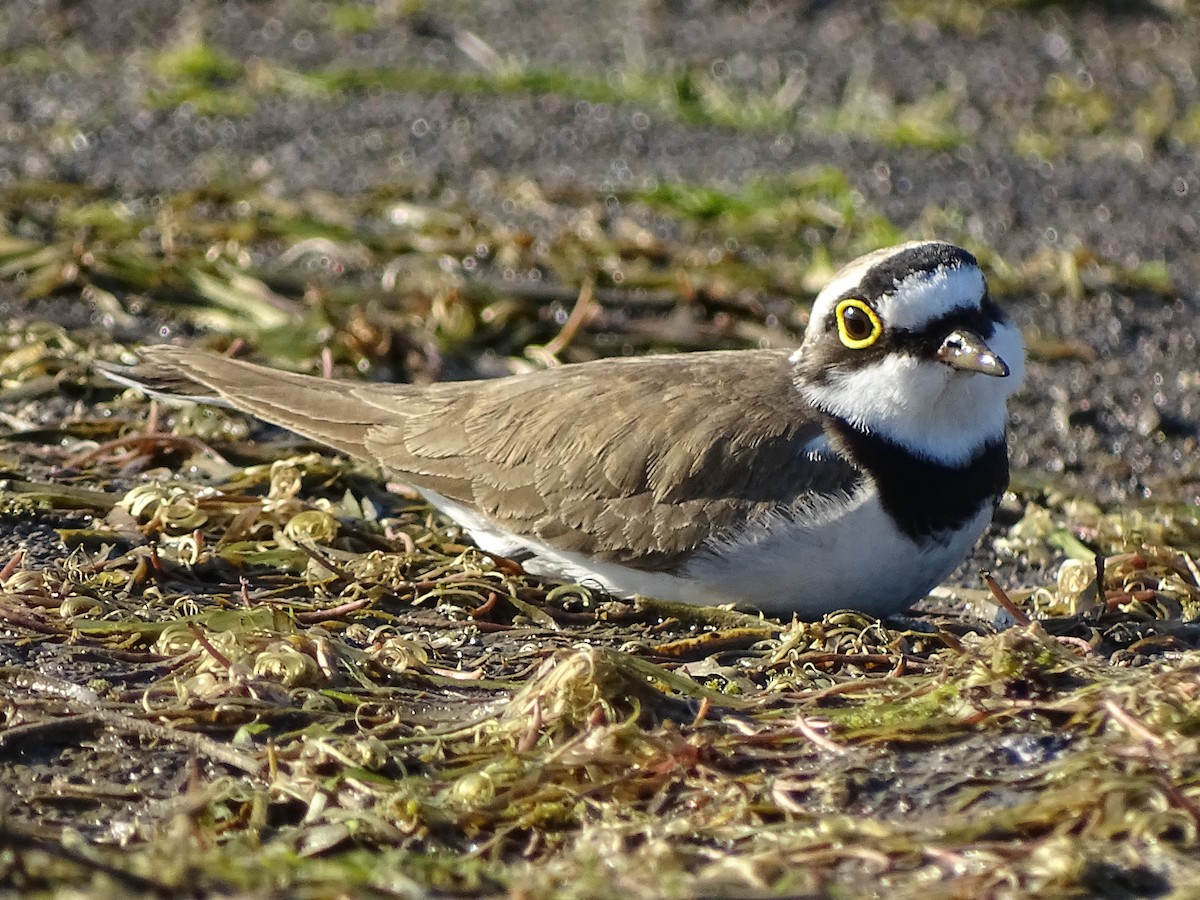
<point>882,277</point>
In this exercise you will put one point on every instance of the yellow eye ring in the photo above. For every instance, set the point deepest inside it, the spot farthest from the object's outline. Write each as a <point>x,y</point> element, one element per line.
<point>858,325</point>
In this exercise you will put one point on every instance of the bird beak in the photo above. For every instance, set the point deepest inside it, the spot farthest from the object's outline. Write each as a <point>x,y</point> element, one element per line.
<point>968,352</point>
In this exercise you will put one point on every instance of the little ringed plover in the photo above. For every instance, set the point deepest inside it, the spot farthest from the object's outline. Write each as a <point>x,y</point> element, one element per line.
<point>856,472</point>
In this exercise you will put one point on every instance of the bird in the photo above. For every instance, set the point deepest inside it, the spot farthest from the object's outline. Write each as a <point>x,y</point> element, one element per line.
<point>855,472</point>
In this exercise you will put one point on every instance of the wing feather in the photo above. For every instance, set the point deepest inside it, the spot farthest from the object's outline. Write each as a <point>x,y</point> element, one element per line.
<point>640,460</point>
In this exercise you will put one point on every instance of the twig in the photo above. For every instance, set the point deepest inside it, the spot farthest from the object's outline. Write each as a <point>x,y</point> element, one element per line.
<point>1003,600</point>
<point>13,563</point>
<point>19,619</point>
<point>48,684</point>
<point>210,649</point>
<point>1134,726</point>
<point>309,616</point>
<point>197,743</point>
<point>583,304</point>
<point>135,440</point>
<point>810,731</point>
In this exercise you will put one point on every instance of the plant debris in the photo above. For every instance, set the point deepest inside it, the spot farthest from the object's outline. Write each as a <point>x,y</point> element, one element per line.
<point>332,672</point>
<point>231,663</point>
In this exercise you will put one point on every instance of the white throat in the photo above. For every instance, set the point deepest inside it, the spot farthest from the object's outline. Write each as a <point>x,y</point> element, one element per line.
<point>925,406</point>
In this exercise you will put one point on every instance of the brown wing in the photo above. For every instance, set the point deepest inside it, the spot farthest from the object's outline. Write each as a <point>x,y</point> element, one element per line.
<point>640,460</point>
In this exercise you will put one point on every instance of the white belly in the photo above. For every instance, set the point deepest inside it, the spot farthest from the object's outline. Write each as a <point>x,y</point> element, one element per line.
<point>857,560</point>
<point>849,557</point>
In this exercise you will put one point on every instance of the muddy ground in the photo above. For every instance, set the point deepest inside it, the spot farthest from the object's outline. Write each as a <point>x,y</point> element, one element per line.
<point>421,189</point>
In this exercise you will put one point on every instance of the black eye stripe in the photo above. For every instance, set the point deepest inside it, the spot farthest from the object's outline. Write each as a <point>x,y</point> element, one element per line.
<point>822,361</point>
<point>982,320</point>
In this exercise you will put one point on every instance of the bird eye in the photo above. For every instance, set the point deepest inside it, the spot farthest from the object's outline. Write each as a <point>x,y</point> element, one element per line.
<point>858,326</point>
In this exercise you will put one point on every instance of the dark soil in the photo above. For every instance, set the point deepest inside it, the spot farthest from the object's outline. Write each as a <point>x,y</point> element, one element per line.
<point>1059,141</point>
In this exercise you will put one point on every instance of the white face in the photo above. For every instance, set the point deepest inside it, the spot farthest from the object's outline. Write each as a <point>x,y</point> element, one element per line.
<point>936,411</point>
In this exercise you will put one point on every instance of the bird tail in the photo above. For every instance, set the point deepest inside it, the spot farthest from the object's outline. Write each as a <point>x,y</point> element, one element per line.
<point>311,407</point>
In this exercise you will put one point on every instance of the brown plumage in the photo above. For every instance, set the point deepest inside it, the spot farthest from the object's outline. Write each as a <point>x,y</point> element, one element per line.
<point>855,472</point>
<point>639,461</point>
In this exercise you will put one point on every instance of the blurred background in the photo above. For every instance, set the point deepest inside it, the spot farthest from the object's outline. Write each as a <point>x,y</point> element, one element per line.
<point>425,190</point>
<point>430,189</point>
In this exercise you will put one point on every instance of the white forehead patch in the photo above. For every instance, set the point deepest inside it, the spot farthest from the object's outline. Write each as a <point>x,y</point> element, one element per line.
<point>925,296</point>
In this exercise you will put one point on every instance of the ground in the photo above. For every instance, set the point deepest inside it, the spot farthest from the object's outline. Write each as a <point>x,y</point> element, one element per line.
<point>234,664</point>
